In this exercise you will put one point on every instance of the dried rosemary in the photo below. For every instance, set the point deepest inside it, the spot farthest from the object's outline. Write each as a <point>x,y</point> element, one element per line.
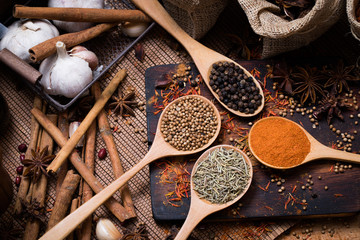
<point>222,176</point>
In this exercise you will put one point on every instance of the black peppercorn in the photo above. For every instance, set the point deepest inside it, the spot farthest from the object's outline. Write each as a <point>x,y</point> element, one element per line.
<point>235,89</point>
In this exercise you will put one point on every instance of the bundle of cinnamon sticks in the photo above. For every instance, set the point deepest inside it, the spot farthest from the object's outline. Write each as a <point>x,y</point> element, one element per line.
<point>74,187</point>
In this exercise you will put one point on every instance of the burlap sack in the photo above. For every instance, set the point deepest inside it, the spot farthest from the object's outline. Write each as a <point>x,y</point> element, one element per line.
<point>354,24</point>
<point>280,35</point>
<point>196,17</point>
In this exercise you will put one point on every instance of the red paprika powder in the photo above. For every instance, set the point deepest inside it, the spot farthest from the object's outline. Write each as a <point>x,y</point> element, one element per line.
<point>279,142</point>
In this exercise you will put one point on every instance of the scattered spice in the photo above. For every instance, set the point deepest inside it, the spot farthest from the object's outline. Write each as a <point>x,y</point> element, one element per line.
<point>17,180</point>
<point>138,233</point>
<point>163,81</point>
<point>22,158</point>
<point>22,148</point>
<point>139,52</point>
<point>282,73</point>
<point>189,124</point>
<point>279,142</point>
<point>222,176</point>
<point>102,154</point>
<point>36,166</point>
<point>123,103</point>
<point>20,170</point>
<point>308,83</point>
<point>175,173</point>
<point>339,76</point>
<point>234,87</point>
<point>331,106</point>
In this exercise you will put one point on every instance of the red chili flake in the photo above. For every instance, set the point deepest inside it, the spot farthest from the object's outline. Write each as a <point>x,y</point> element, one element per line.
<point>139,52</point>
<point>116,128</point>
<point>294,189</point>
<point>269,208</point>
<point>331,168</point>
<point>338,195</point>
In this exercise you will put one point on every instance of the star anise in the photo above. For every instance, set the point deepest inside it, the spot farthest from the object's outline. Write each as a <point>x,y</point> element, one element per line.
<point>339,76</point>
<point>34,210</point>
<point>38,163</point>
<point>139,233</point>
<point>331,105</point>
<point>123,102</point>
<point>308,85</point>
<point>283,75</point>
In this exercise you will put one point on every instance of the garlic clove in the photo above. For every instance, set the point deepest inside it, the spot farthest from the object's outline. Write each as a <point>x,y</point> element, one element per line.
<point>132,29</point>
<point>106,230</point>
<point>88,56</point>
<point>73,126</point>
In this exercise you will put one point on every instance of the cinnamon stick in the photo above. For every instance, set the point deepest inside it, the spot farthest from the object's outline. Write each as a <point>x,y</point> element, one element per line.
<point>90,141</point>
<point>74,206</point>
<point>106,134</point>
<point>116,208</point>
<point>19,66</point>
<point>63,125</point>
<point>47,48</point>
<point>80,14</point>
<point>85,124</point>
<point>32,228</point>
<point>25,183</point>
<point>63,199</point>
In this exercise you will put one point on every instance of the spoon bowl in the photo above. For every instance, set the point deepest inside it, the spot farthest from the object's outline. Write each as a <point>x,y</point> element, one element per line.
<point>203,57</point>
<point>200,208</point>
<point>160,148</point>
<point>317,149</point>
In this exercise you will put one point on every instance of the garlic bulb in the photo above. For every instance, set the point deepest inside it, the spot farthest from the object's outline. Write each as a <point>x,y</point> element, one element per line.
<point>106,230</point>
<point>23,35</point>
<point>75,26</point>
<point>63,74</point>
<point>82,52</point>
<point>132,29</point>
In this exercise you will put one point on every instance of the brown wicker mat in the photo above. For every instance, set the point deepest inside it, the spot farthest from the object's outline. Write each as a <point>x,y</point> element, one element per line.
<point>159,49</point>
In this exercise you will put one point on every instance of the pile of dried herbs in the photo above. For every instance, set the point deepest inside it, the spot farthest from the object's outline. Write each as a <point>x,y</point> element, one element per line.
<point>222,176</point>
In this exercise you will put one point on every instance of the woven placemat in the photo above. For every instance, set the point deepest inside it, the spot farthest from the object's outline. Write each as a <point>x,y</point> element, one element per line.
<point>159,49</point>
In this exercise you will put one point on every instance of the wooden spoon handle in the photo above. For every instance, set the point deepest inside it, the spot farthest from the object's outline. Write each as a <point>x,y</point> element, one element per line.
<point>329,153</point>
<point>195,215</point>
<point>68,224</point>
<point>203,57</point>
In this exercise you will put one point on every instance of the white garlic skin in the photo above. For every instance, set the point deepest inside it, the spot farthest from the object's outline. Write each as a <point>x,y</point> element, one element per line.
<point>75,26</point>
<point>106,230</point>
<point>22,36</point>
<point>133,29</point>
<point>84,53</point>
<point>64,75</point>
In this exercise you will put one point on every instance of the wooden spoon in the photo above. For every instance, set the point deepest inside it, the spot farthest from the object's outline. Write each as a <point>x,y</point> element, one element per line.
<point>159,149</point>
<point>203,57</point>
<point>317,149</point>
<point>200,208</point>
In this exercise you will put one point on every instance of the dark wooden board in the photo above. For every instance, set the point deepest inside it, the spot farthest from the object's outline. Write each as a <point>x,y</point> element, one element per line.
<point>342,196</point>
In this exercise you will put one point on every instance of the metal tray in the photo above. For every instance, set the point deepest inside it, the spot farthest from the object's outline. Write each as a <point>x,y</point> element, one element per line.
<point>109,47</point>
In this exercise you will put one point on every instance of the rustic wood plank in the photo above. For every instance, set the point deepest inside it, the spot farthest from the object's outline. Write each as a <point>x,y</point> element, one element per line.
<point>342,196</point>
